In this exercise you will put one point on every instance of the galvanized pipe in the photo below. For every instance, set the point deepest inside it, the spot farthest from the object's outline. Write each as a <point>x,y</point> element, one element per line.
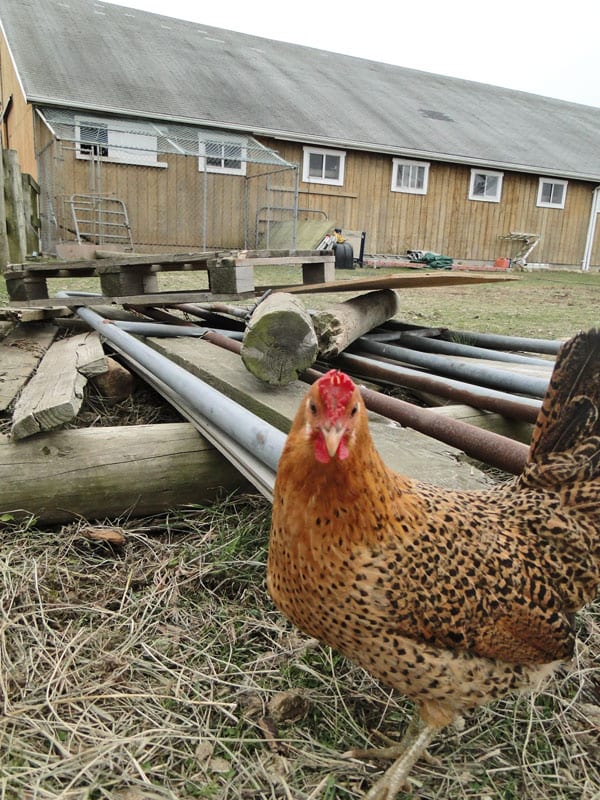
<point>493,340</point>
<point>159,329</point>
<point>483,376</point>
<point>523,409</point>
<point>429,345</point>
<point>253,433</point>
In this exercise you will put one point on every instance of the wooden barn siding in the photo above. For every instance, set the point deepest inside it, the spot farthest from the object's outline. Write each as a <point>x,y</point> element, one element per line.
<point>19,121</point>
<point>445,220</point>
<point>164,204</point>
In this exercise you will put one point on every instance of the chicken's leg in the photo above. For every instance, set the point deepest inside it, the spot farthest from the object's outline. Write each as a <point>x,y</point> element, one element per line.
<point>407,752</point>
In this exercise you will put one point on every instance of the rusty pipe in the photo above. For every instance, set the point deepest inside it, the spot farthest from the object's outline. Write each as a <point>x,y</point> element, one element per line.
<point>512,406</point>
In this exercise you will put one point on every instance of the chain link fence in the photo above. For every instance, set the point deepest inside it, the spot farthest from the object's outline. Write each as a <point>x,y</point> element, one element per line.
<point>134,185</point>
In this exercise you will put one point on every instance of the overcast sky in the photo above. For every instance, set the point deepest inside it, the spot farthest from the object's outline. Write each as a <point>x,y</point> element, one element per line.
<point>549,47</point>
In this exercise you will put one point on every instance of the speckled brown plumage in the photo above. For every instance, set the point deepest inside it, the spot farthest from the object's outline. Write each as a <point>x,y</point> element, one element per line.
<point>452,597</point>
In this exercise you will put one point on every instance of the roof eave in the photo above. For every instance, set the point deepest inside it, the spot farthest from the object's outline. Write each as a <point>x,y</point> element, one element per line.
<point>292,136</point>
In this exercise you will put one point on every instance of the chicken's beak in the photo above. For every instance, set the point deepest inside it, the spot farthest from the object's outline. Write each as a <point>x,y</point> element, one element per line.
<point>333,436</point>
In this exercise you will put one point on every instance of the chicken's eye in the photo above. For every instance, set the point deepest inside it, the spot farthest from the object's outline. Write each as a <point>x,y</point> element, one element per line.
<point>313,408</point>
<point>354,411</point>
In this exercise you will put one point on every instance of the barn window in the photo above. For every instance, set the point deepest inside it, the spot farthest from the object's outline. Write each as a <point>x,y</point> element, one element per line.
<point>116,140</point>
<point>93,139</point>
<point>551,193</point>
<point>410,176</point>
<point>323,166</point>
<point>222,155</point>
<point>485,185</point>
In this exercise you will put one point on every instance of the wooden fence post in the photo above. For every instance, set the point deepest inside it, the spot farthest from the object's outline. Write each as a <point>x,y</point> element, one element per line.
<point>16,229</point>
<point>4,251</point>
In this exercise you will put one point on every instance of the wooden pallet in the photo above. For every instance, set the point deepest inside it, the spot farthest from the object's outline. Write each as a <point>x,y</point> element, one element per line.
<point>230,273</point>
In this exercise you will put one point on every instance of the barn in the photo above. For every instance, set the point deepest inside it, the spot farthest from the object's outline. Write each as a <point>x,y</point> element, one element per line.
<point>149,133</point>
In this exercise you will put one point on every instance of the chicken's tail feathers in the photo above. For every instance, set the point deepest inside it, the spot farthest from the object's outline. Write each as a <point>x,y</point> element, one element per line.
<point>569,419</point>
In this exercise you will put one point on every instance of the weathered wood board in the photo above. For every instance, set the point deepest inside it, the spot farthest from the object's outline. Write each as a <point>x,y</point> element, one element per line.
<point>96,473</point>
<point>20,353</point>
<point>55,393</point>
<point>397,281</point>
<point>404,450</point>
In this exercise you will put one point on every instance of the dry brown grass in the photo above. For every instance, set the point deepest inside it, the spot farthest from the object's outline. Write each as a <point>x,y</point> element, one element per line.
<point>155,669</point>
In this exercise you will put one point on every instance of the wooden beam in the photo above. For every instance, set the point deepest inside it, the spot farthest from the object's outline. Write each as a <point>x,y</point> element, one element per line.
<point>55,393</point>
<point>110,472</point>
<point>159,299</point>
<point>342,323</point>
<point>20,352</point>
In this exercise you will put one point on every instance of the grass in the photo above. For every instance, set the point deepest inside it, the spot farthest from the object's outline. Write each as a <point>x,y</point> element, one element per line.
<point>545,304</point>
<point>159,668</point>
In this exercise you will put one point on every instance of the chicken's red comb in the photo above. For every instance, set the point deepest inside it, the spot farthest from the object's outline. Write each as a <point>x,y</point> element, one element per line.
<point>335,389</point>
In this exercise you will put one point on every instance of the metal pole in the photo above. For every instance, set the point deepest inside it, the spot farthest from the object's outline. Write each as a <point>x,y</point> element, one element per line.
<point>429,345</point>
<point>512,406</point>
<point>255,435</point>
<point>497,342</point>
<point>484,376</point>
<point>158,329</point>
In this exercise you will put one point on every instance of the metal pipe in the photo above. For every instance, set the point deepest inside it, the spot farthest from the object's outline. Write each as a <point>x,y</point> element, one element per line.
<point>210,317</point>
<point>255,435</point>
<point>429,345</point>
<point>493,340</point>
<point>523,409</point>
<point>158,329</point>
<point>491,448</point>
<point>484,376</point>
<point>497,342</point>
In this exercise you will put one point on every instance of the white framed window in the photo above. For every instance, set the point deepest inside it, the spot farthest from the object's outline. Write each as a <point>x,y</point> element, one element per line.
<point>323,166</point>
<point>114,140</point>
<point>552,193</point>
<point>410,176</point>
<point>486,185</point>
<point>224,155</point>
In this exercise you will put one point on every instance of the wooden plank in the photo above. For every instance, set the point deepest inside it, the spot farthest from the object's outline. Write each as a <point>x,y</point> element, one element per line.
<point>20,352</point>
<point>55,393</point>
<point>109,472</point>
<point>158,299</point>
<point>108,264</point>
<point>397,281</point>
<point>285,260</point>
<point>403,449</point>
<point>16,314</point>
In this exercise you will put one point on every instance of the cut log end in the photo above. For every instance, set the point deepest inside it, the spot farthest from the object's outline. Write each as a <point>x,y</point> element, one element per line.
<point>280,340</point>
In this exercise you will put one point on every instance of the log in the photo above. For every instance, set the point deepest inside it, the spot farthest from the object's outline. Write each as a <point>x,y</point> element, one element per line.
<point>96,473</point>
<point>283,338</point>
<point>342,323</point>
<point>55,393</point>
<point>280,340</point>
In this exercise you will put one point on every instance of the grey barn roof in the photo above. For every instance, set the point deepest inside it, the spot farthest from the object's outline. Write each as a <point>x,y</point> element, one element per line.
<point>106,58</point>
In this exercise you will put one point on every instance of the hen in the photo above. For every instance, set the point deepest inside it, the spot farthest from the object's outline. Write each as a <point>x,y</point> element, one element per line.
<point>452,597</point>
